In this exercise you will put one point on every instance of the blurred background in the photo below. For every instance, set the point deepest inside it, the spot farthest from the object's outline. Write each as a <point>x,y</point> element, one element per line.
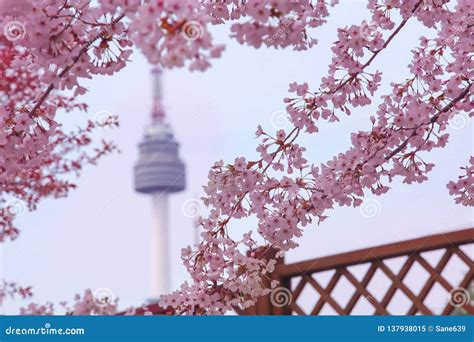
<point>98,237</point>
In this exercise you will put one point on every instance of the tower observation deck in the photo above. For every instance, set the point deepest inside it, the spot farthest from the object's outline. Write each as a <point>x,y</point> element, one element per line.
<point>159,169</point>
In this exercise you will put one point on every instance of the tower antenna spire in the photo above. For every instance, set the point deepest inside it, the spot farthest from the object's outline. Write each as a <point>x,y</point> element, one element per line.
<point>157,113</point>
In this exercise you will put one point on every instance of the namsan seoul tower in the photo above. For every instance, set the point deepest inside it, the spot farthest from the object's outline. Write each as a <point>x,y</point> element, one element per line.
<point>159,172</point>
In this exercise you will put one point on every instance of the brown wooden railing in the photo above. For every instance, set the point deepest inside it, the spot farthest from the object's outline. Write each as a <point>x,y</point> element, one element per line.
<point>411,254</point>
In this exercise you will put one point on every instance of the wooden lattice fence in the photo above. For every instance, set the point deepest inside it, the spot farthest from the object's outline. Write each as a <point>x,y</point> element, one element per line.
<point>429,262</point>
<point>416,262</point>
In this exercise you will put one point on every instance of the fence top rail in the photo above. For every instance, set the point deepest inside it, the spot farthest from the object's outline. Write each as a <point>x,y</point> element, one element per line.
<point>362,256</point>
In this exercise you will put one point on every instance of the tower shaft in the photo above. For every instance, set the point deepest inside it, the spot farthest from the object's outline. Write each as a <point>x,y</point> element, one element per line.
<point>160,282</point>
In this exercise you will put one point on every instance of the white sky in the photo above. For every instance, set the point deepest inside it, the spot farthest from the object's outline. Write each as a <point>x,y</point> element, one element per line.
<point>99,236</point>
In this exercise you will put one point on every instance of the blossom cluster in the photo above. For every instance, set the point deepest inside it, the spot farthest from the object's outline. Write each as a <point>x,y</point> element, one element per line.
<point>278,24</point>
<point>87,304</point>
<point>35,68</point>
<point>11,290</point>
<point>463,188</point>
<point>285,193</point>
<point>173,32</point>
